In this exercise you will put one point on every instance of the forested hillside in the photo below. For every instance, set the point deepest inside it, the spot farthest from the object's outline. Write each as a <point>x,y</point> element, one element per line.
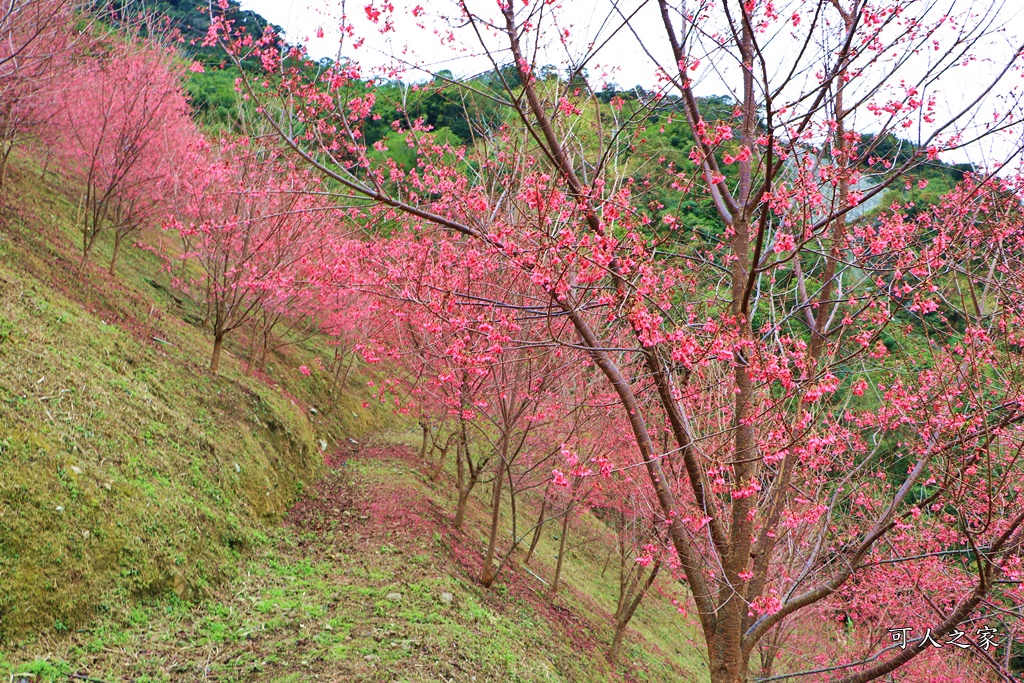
<point>312,370</point>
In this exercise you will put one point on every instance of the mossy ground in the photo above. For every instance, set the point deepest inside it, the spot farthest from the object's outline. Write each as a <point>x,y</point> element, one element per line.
<point>315,600</point>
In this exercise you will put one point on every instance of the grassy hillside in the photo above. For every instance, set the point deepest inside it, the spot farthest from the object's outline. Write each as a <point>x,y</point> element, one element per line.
<point>142,499</point>
<point>367,581</point>
<point>126,469</point>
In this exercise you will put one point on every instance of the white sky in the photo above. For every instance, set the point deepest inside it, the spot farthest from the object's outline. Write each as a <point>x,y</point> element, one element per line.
<point>419,39</point>
<point>621,59</point>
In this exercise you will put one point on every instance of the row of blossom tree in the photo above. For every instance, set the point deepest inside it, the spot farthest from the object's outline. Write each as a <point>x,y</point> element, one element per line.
<point>811,420</point>
<point>262,250</point>
<point>107,108</point>
<point>824,400</point>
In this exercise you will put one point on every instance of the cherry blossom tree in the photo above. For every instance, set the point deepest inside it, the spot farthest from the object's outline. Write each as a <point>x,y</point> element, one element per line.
<point>640,563</point>
<point>120,127</point>
<point>36,46</point>
<point>628,506</point>
<point>841,386</point>
<point>442,352</point>
<point>246,219</point>
<point>508,405</point>
<point>294,314</point>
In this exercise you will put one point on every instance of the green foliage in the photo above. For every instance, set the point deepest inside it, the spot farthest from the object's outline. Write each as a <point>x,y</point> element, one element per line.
<point>213,97</point>
<point>467,114</point>
<point>878,153</point>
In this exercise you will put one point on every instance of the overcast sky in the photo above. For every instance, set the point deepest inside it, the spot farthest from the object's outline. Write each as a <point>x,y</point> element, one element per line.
<point>420,39</point>
<point>424,40</point>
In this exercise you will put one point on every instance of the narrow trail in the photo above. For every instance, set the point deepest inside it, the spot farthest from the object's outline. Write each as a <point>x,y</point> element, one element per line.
<point>375,510</point>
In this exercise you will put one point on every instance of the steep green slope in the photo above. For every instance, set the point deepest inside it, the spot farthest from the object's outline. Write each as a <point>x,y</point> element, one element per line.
<point>368,581</point>
<point>126,469</point>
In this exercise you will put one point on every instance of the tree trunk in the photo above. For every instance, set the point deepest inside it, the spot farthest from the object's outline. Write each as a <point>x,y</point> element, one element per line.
<point>88,243</point>
<point>631,593</point>
<point>92,217</point>
<point>537,529</point>
<point>620,631</point>
<point>460,513</point>
<point>338,379</point>
<point>513,510</point>
<point>218,343</point>
<point>435,476</point>
<point>117,249</point>
<point>466,484</point>
<point>460,482</point>
<point>561,551</point>
<point>464,493</point>
<point>266,332</point>
<point>607,561</point>
<point>487,576</point>
<point>250,366</point>
<point>4,157</point>
<point>426,438</point>
<point>727,666</point>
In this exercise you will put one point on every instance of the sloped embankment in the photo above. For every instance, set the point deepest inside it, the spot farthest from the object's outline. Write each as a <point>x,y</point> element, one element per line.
<point>365,581</point>
<point>126,469</point>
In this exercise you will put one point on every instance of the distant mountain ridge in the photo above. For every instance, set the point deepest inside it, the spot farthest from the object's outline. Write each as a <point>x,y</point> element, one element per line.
<point>192,20</point>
